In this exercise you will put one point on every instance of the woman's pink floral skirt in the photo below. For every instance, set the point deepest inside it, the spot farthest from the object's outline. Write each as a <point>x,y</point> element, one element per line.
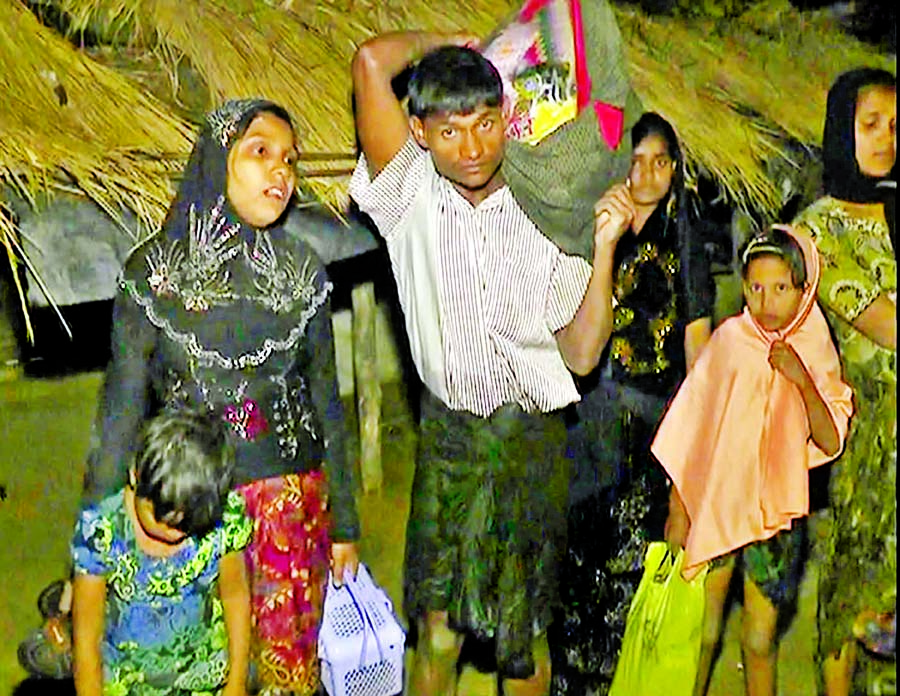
<point>287,562</point>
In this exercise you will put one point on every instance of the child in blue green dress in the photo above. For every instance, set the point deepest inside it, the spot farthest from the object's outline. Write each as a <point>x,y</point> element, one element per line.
<point>161,601</point>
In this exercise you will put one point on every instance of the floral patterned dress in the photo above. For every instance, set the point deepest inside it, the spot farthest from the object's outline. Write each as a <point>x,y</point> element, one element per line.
<point>165,630</point>
<point>859,564</point>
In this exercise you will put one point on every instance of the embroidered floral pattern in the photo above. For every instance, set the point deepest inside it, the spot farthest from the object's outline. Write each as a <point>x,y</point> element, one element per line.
<point>292,412</point>
<point>279,283</point>
<point>244,414</point>
<point>200,277</point>
<point>176,395</point>
<point>224,121</point>
<point>161,264</point>
<point>210,357</point>
<point>632,273</point>
<point>211,244</point>
<point>246,418</point>
<point>290,407</point>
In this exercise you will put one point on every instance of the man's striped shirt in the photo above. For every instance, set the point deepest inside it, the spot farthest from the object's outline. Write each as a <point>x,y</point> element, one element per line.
<point>482,289</point>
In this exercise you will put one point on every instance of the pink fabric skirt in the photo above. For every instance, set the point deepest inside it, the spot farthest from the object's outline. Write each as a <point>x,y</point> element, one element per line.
<point>287,563</point>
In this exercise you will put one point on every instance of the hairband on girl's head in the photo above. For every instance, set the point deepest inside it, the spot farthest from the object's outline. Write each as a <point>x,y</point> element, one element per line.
<point>761,244</point>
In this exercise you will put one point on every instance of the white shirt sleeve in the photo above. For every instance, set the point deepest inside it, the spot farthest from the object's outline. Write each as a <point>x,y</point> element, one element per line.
<point>568,283</point>
<point>389,196</point>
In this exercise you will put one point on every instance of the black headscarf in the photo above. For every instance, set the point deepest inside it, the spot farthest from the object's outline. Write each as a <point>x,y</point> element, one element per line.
<point>676,213</point>
<point>842,177</point>
<point>204,182</point>
<point>887,189</point>
<point>651,123</point>
<point>193,267</point>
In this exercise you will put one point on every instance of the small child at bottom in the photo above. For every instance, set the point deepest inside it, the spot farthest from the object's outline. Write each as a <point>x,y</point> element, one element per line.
<point>764,403</point>
<point>161,602</point>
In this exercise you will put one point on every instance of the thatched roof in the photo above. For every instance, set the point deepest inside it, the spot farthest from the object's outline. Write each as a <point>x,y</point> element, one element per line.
<point>738,92</point>
<point>115,119</point>
<point>69,122</point>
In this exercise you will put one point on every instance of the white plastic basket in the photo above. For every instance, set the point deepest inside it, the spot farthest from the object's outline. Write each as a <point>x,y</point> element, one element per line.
<point>360,642</point>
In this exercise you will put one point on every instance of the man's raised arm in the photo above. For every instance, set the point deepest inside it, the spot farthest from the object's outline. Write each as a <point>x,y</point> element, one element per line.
<point>381,123</point>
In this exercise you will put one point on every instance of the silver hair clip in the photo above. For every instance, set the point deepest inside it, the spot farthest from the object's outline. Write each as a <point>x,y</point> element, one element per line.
<point>224,120</point>
<point>761,245</point>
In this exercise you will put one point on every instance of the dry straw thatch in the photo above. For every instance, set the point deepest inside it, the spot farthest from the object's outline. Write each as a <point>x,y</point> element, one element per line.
<point>66,121</point>
<point>296,53</point>
<point>118,145</point>
<point>736,92</point>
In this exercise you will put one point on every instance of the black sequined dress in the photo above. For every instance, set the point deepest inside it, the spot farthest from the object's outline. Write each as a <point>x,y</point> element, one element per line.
<point>618,495</point>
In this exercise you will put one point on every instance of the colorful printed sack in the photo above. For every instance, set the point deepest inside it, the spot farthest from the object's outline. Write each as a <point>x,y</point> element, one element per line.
<point>540,56</point>
<point>568,94</point>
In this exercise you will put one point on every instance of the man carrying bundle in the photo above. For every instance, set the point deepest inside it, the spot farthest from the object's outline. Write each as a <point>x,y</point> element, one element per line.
<point>496,317</point>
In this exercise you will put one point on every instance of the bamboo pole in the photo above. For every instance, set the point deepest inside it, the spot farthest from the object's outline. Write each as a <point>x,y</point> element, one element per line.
<point>10,367</point>
<point>368,386</point>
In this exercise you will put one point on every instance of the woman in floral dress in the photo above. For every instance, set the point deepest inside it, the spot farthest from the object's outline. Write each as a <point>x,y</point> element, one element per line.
<point>858,291</point>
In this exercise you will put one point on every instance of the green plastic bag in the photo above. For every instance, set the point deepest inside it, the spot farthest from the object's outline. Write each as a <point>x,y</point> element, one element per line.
<point>661,646</point>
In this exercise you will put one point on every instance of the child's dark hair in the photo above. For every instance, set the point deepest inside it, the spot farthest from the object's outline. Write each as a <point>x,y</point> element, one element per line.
<point>780,244</point>
<point>184,466</point>
<point>453,80</point>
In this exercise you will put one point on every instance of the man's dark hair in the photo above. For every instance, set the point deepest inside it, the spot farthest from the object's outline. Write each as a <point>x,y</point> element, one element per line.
<point>184,467</point>
<point>778,243</point>
<point>453,80</point>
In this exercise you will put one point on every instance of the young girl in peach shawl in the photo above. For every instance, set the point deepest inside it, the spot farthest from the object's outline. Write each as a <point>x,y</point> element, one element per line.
<point>764,403</point>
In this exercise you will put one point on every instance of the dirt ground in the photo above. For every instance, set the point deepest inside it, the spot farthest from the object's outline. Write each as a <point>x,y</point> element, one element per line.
<point>44,427</point>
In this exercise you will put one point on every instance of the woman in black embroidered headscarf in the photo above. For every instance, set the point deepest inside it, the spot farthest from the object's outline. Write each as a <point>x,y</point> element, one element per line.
<point>222,311</point>
<point>858,291</point>
<point>661,319</point>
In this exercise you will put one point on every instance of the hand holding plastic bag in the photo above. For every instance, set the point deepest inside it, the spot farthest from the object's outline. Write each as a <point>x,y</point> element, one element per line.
<point>661,646</point>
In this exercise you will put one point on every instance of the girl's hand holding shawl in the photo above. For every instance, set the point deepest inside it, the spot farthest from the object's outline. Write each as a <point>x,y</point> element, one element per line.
<point>784,359</point>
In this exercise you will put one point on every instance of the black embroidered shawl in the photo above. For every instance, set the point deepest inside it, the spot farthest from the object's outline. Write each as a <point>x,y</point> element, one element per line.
<point>661,283</point>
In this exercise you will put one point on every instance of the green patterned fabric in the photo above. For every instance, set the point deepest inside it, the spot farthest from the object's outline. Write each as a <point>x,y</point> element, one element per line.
<point>165,631</point>
<point>487,526</point>
<point>860,556</point>
<point>775,565</point>
<point>558,181</point>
